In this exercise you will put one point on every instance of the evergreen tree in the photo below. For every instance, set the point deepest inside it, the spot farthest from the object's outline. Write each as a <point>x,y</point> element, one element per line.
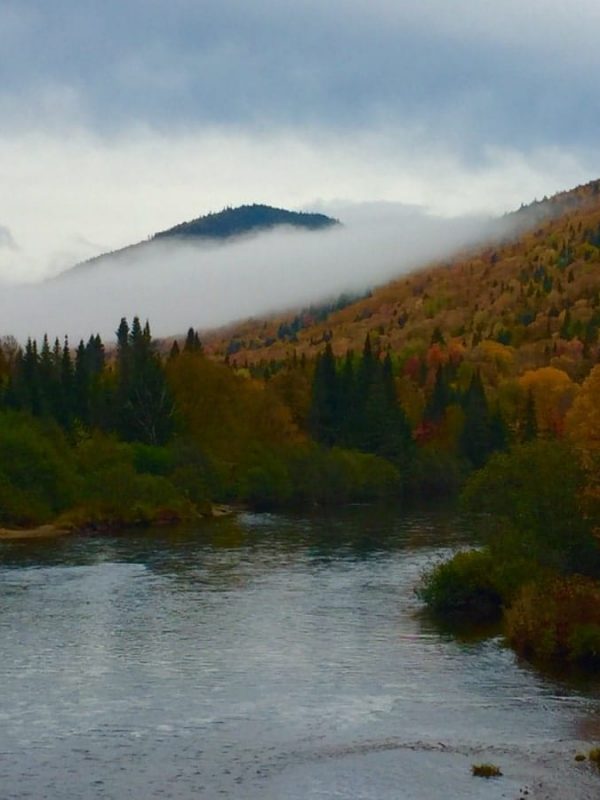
<point>67,384</point>
<point>192,342</point>
<point>440,398</point>
<point>145,406</point>
<point>82,379</point>
<point>323,415</point>
<point>529,426</point>
<point>347,409</point>
<point>476,435</point>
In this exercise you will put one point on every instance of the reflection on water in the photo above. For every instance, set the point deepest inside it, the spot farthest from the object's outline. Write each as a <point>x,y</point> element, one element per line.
<point>259,656</point>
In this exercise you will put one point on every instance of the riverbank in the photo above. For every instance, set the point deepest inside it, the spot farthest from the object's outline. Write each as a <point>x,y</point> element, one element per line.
<point>39,532</point>
<point>50,531</point>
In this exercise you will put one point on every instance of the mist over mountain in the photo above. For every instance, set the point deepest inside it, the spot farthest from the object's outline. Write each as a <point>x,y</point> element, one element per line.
<point>531,294</point>
<point>177,281</point>
<point>222,226</point>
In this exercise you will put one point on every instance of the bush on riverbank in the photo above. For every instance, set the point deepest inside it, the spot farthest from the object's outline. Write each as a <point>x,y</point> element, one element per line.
<point>537,489</point>
<point>463,589</point>
<point>557,621</point>
<point>311,475</point>
<point>38,478</point>
<point>540,563</point>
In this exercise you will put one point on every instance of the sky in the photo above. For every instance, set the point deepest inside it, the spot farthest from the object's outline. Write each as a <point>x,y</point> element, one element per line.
<point>121,118</point>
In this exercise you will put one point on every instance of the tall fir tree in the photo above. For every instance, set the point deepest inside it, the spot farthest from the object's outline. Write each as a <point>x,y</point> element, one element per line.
<point>323,415</point>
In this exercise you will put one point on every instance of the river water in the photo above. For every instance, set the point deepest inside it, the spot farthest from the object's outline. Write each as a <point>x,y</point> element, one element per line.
<point>267,657</point>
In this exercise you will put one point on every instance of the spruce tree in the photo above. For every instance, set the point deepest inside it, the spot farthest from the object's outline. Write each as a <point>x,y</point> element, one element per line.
<point>476,435</point>
<point>323,415</point>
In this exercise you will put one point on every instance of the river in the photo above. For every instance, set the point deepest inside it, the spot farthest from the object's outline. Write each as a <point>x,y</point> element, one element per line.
<point>267,657</point>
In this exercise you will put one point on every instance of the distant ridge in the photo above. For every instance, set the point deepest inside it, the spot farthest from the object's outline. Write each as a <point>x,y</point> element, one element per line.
<point>245,219</point>
<point>230,223</point>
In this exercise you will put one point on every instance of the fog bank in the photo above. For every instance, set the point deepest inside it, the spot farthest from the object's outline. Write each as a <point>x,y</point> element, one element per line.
<point>180,284</point>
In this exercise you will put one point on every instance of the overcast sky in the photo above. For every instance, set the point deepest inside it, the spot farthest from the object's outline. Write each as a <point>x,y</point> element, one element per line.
<point>122,117</point>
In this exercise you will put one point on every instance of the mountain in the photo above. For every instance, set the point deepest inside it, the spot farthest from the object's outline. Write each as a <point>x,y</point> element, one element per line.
<point>529,301</point>
<point>243,220</point>
<point>223,226</point>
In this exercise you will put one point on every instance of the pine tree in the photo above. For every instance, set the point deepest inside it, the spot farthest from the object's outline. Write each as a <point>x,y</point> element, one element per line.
<point>476,435</point>
<point>144,403</point>
<point>440,398</point>
<point>192,342</point>
<point>323,414</point>
<point>529,427</point>
<point>82,380</point>
<point>67,384</point>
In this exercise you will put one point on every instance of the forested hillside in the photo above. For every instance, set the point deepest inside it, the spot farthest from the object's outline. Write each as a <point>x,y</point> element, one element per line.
<point>401,393</point>
<point>535,296</point>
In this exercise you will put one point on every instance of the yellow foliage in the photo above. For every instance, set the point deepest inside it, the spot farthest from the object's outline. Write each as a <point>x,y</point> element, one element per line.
<point>553,394</point>
<point>583,419</point>
<point>224,412</point>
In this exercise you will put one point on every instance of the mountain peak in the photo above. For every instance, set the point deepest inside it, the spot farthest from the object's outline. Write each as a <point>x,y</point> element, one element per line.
<point>244,219</point>
<point>221,226</point>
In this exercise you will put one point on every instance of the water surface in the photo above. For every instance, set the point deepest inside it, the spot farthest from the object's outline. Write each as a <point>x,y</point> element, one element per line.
<point>266,657</point>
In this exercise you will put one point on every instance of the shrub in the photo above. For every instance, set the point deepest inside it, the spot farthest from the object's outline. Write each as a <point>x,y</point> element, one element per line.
<point>436,473</point>
<point>557,620</point>
<point>594,756</point>
<point>335,476</point>
<point>486,771</point>
<point>537,488</point>
<point>37,473</point>
<point>463,589</point>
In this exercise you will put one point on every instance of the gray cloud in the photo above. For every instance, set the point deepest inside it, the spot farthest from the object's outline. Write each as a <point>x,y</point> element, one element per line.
<point>475,74</point>
<point>125,116</point>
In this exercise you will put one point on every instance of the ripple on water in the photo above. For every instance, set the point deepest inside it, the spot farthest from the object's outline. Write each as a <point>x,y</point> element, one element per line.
<point>263,657</point>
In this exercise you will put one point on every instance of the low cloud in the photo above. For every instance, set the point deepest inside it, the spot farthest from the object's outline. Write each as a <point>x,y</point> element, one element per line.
<point>82,195</point>
<point>7,241</point>
<point>176,285</point>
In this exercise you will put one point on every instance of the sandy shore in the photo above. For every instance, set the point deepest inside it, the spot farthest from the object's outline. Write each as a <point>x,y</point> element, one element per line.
<point>41,532</point>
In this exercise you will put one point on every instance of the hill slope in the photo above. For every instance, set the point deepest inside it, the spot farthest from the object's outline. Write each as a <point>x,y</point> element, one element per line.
<point>536,295</point>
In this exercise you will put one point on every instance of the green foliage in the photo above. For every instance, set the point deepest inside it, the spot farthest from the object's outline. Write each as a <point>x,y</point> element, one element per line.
<point>124,484</point>
<point>151,459</point>
<point>310,475</point>
<point>265,483</point>
<point>358,408</point>
<point>463,589</point>
<point>324,412</point>
<point>37,475</point>
<point>536,487</point>
<point>145,409</point>
<point>436,473</point>
<point>476,433</point>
